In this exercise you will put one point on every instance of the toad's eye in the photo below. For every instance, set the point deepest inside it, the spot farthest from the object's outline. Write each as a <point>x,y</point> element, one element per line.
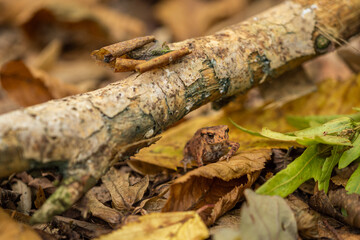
<point>211,135</point>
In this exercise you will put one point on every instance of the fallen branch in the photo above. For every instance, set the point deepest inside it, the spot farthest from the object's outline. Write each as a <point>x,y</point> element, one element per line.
<point>86,133</point>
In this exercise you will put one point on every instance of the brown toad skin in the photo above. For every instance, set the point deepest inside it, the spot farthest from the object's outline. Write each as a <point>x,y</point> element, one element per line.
<point>209,144</point>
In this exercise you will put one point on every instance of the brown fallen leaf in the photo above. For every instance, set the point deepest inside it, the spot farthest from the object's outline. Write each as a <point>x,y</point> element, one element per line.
<point>12,230</point>
<point>175,14</point>
<point>123,193</point>
<point>29,86</point>
<point>349,203</point>
<point>153,204</point>
<point>90,203</point>
<point>218,185</point>
<point>44,183</point>
<point>306,218</point>
<point>8,198</point>
<point>80,228</point>
<point>175,225</point>
<point>76,23</point>
<point>40,198</point>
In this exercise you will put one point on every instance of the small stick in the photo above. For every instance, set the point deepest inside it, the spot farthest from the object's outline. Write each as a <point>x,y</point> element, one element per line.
<point>107,53</point>
<point>126,65</point>
<point>162,60</point>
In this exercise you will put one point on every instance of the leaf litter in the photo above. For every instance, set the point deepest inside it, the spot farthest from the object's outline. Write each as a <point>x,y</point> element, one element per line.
<point>137,193</point>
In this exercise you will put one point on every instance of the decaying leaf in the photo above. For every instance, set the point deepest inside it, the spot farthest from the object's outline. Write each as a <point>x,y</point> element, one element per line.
<point>29,86</point>
<point>24,205</point>
<point>174,225</point>
<point>263,217</point>
<point>349,203</point>
<point>217,186</point>
<point>97,209</point>
<point>12,230</point>
<point>306,217</point>
<point>153,204</point>
<point>123,194</point>
<point>40,198</point>
<point>86,229</point>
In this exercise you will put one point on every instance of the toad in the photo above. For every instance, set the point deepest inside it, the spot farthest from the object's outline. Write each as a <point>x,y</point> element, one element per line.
<point>208,145</point>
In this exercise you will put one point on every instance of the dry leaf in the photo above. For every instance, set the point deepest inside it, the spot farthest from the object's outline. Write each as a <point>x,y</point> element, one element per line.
<point>40,198</point>
<point>349,203</point>
<point>24,205</point>
<point>101,211</point>
<point>230,219</point>
<point>159,226</point>
<point>153,204</point>
<point>75,23</point>
<point>123,194</point>
<point>263,217</point>
<point>28,87</point>
<point>218,185</point>
<point>86,229</point>
<point>175,14</point>
<point>11,230</point>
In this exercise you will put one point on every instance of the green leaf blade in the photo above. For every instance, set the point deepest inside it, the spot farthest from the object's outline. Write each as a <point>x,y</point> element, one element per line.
<point>305,167</point>
<point>350,155</point>
<point>353,184</point>
<point>328,166</point>
<point>331,127</point>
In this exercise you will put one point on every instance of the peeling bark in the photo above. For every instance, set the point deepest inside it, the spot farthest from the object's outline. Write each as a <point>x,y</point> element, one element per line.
<point>85,133</point>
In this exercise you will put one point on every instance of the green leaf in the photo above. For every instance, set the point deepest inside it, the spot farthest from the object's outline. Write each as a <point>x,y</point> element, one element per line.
<point>350,155</point>
<point>353,184</point>
<point>305,167</point>
<point>329,164</point>
<point>310,136</point>
<point>276,135</point>
<point>331,127</point>
<point>245,130</point>
<point>329,139</point>
<point>302,122</point>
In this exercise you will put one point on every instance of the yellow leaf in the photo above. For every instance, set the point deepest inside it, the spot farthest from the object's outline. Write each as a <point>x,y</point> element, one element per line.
<point>9,229</point>
<point>159,226</point>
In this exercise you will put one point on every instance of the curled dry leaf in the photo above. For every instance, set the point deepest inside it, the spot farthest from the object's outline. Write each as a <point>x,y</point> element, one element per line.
<point>97,209</point>
<point>10,229</point>
<point>175,225</point>
<point>219,185</point>
<point>29,86</point>
<point>123,194</point>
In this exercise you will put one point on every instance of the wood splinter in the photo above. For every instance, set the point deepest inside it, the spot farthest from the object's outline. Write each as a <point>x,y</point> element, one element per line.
<point>162,60</point>
<point>126,65</point>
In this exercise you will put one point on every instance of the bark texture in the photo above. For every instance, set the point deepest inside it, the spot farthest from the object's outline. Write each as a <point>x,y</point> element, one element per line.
<point>85,133</point>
